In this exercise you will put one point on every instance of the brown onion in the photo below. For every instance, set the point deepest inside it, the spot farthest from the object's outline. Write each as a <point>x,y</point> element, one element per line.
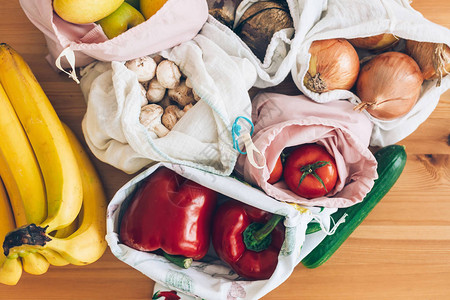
<point>260,22</point>
<point>334,64</point>
<point>432,58</point>
<point>376,42</point>
<point>389,85</point>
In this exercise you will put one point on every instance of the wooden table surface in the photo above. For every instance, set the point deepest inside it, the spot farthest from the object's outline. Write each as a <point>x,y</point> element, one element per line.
<point>401,250</point>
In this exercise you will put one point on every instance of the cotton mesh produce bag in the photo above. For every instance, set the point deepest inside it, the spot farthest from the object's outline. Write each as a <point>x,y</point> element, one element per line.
<point>202,138</point>
<point>283,121</point>
<point>210,278</point>
<point>363,18</point>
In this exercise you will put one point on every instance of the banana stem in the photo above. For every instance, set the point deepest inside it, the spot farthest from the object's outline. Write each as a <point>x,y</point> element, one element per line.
<point>27,235</point>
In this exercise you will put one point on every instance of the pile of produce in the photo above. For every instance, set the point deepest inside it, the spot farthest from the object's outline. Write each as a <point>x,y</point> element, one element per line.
<point>389,80</point>
<point>185,219</point>
<point>167,93</point>
<point>188,218</point>
<point>115,17</point>
<point>52,202</point>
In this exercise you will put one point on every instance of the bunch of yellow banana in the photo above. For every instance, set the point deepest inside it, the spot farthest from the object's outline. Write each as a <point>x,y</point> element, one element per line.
<point>53,210</point>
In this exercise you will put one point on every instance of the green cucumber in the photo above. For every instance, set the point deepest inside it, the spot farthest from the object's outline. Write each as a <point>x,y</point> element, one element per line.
<point>391,162</point>
<point>313,227</point>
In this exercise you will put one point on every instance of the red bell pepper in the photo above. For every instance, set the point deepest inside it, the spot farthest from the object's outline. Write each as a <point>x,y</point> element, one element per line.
<point>171,213</point>
<point>247,239</point>
<point>168,295</point>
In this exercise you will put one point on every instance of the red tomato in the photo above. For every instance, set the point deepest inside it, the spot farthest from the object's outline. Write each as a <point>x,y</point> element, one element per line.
<point>307,161</point>
<point>276,172</point>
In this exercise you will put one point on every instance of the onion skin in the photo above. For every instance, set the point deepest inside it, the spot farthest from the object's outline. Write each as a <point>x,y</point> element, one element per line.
<point>334,64</point>
<point>376,42</point>
<point>432,58</point>
<point>389,85</point>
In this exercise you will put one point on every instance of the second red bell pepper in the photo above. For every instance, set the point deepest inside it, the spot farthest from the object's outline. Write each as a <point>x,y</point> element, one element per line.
<point>171,213</point>
<point>248,239</point>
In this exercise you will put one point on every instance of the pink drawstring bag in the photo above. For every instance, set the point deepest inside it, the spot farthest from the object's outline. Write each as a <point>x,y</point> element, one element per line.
<point>283,121</point>
<point>177,21</point>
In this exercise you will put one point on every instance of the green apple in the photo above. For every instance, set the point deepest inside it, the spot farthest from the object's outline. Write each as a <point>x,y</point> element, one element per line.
<point>134,3</point>
<point>122,19</point>
<point>85,11</point>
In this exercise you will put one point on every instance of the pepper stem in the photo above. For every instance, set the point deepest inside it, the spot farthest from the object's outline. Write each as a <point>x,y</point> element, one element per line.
<point>179,260</point>
<point>311,170</point>
<point>257,236</point>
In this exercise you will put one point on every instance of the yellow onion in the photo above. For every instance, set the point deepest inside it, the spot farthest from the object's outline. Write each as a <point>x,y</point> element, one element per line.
<point>376,42</point>
<point>334,64</point>
<point>432,58</point>
<point>389,85</point>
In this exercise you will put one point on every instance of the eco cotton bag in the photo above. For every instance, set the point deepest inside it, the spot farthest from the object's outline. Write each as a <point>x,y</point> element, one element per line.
<point>202,138</point>
<point>285,121</point>
<point>282,50</point>
<point>177,21</point>
<point>211,278</point>
<point>363,18</point>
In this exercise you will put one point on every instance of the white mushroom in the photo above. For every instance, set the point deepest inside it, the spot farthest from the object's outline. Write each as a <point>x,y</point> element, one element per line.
<point>181,94</point>
<point>143,98</point>
<point>158,58</point>
<point>188,107</point>
<point>168,74</point>
<point>189,85</point>
<point>196,96</point>
<point>171,115</point>
<point>155,91</point>
<point>150,117</point>
<point>144,67</point>
<point>165,102</point>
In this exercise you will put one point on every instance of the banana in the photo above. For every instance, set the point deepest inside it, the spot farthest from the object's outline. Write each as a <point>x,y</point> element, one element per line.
<point>34,263</point>
<point>22,177</point>
<point>53,257</point>
<point>47,138</point>
<point>10,269</point>
<point>19,168</point>
<point>67,231</point>
<point>87,244</point>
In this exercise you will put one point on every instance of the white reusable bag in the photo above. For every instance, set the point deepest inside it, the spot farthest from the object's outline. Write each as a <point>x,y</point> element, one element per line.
<point>282,50</point>
<point>362,18</point>
<point>211,278</point>
<point>202,138</point>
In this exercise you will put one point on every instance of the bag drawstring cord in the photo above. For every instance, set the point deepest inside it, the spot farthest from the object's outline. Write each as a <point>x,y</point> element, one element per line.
<point>250,147</point>
<point>70,57</point>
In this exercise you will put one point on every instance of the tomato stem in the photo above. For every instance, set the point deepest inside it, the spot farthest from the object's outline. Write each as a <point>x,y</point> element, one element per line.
<point>311,170</point>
